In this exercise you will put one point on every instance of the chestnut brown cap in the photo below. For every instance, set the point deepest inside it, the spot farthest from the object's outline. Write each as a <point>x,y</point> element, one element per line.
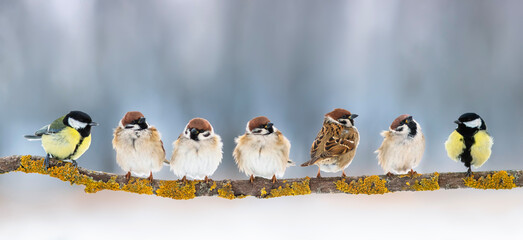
<point>258,121</point>
<point>338,113</point>
<point>398,121</point>
<point>200,124</point>
<point>131,116</point>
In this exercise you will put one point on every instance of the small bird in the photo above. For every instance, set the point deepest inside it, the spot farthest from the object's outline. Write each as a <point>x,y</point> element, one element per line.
<point>197,151</point>
<point>336,143</point>
<point>66,138</point>
<point>470,142</point>
<point>402,147</point>
<point>262,151</point>
<point>139,148</point>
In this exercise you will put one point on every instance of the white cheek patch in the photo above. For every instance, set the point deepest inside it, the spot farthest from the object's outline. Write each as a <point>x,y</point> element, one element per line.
<point>473,124</point>
<point>76,124</point>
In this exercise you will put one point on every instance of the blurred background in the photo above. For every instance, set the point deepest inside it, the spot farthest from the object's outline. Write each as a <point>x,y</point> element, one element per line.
<point>229,61</point>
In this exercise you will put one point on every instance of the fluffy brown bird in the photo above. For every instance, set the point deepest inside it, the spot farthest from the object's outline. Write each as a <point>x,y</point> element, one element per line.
<point>336,143</point>
<point>262,151</point>
<point>139,148</point>
<point>197,151</point>
<point>403,146</point>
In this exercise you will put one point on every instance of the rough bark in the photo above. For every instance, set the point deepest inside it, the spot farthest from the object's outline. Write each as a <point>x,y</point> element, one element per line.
<point>284,187</point>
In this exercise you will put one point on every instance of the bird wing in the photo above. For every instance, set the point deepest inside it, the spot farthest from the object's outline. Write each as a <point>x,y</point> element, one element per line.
<point>52,128</point>
<point>331,143</point>
<point>337,146</point>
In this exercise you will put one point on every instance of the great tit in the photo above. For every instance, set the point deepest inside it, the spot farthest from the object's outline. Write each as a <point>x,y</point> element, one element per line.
<point>67,138</point>
<point>470,142</point>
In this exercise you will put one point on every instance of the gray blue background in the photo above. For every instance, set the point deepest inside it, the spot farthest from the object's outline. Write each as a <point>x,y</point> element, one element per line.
<point>230,61</point>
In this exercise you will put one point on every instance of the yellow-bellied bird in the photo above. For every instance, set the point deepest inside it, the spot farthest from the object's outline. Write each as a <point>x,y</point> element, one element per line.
<point>470,142</point>
<point>67,138</point>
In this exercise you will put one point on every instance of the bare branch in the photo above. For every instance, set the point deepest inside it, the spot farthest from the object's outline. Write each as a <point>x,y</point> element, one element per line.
<point>263,188</point>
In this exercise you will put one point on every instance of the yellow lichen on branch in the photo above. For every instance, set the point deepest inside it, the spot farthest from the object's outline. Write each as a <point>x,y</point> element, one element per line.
<point>296,188</point>
<point>369,185</point>
<point>499,180</point>
<point>426,184</point>
<point>177,189</point>
<point>226,191</point>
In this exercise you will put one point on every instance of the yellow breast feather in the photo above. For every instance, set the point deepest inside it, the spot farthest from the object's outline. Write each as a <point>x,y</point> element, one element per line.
<point>481,149</point>
<point>455,145</point>
<point>62,144</point>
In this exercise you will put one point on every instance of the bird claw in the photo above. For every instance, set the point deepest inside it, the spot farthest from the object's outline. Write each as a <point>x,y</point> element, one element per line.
<point>469,173</point>
<point>46,161</point>
<point>389,174</point>
<point>412,173</point>
<point>274,179</point>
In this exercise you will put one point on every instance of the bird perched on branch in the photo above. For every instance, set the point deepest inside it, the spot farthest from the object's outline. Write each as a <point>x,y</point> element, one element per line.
<point>402,147</point>
<point>336,143</point>
<point>139,148</point>
<point>470,142</point>
<point>262,151</point>
<point>197,151</point>
<point>67,138</point>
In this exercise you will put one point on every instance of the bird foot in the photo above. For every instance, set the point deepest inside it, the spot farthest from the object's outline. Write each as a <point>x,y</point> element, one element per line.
<point>128,177</point>
<point>184,179</point>
<point>389,174</point>
<point>207,179</point>
<point>319,174</point>
<point>274,179</point>
<point>343,174</point>
<point>412,173</point>
<point>469,173</point>
<point>46,161</point>
<point>150,177</point>
<point>251,178</point>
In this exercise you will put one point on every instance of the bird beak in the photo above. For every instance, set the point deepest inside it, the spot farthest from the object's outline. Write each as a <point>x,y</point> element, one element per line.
<point>457,122</point>
<point>194,134</point>
<point>93,124</point>
<point>141,120</point>
<point>353,116</point>
<point>269,125</point>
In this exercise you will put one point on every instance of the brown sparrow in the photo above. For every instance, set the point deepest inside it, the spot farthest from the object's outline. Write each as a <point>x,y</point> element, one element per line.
<point>336,143</point>
<point>197,151</point>
<point>403,146</point>
<point>138,146</point>
<point>262,151</point>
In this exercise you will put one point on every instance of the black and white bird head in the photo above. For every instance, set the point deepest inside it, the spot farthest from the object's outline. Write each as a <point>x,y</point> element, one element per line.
<point>260,126</point>
<point>342,117</point>
<point>198,129</point>
<point>405,125</point>
<point>470,122</point>
<point>80,121</point>
<point>134,120</point>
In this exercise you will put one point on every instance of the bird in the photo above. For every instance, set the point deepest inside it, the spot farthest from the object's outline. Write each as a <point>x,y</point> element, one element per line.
<point>139,148</point>
<point>66,138</point>
<point>336,143</point>
<point>470,143</point>
<point>197,151</point>
<point>402,147</point>
<point>262,151</point>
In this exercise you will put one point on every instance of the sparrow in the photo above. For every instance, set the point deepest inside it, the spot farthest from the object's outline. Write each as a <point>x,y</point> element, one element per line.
<point>470,142</point>
<point>66,138</point>
<point>262,151</point>
<point>402,147</point>
<point>139,148</point>
<point>336,143</point>
<point>197,151</point>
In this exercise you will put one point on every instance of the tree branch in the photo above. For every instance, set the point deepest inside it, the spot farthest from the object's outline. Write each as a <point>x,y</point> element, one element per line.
<point>262,188</point>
